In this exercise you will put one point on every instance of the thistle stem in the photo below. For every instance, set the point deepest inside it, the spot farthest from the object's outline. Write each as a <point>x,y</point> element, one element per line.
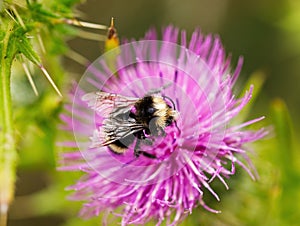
<point>8,153</point>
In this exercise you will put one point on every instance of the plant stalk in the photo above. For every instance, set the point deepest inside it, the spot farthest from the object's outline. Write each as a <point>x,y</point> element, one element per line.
<point>8,153</point>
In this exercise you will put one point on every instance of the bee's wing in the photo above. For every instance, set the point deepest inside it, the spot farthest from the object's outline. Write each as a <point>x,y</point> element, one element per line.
<point>109,104</point>
<point>115,109</point>
<point>113,130</point>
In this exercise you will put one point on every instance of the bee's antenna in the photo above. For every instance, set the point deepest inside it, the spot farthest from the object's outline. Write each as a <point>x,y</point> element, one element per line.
<point>166,97</point>
<point>170,101</point>
<point>177,127</point>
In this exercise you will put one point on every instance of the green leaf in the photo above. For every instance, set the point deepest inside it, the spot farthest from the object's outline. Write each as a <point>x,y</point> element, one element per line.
<point>25,47</point>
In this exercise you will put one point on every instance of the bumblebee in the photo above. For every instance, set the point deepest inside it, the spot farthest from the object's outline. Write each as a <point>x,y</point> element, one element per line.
<point>127,120</point>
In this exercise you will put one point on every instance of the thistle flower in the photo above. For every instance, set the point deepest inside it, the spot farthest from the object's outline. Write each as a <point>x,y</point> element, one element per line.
<point>201,147</point>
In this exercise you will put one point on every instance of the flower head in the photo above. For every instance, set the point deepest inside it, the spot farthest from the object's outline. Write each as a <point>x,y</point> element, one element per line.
<point>199,146</point>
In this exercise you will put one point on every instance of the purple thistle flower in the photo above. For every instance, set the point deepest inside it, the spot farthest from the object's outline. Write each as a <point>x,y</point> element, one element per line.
<point>202,146</point>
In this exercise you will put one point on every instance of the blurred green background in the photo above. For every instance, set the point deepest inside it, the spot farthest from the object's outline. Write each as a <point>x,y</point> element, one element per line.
<point>265,32</point>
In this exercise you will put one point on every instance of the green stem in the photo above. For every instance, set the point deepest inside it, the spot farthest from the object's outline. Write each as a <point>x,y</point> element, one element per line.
<point>8,153</point>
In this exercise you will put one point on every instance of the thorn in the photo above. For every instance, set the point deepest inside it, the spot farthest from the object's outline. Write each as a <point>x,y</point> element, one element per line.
<point>112,40</point>
<point>11,16</point>
<point>40,40</point>
<point>112,31</point>
<point>77,57</point>
<point>50,79</point>
<point>18,17</point>
<point>27,72</point>
<point>112,22</point>
<point>79,23</point>
<point>90,35</point>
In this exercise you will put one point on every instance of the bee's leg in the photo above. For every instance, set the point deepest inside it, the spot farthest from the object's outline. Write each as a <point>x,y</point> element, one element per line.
<point>148,155</point>
<point>148,141</point>
<point>138,151</point>
<point>143,137</point>
<point>161,132</point>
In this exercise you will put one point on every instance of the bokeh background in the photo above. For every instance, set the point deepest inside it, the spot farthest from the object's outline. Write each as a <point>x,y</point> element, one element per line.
<point>265,32</point>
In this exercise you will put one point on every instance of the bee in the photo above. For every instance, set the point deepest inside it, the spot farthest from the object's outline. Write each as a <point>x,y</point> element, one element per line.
<point>129,119</point>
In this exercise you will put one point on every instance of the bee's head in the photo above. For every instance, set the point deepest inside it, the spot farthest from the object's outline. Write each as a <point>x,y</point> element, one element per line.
<point>163,112</point>
<point>172,115</point>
